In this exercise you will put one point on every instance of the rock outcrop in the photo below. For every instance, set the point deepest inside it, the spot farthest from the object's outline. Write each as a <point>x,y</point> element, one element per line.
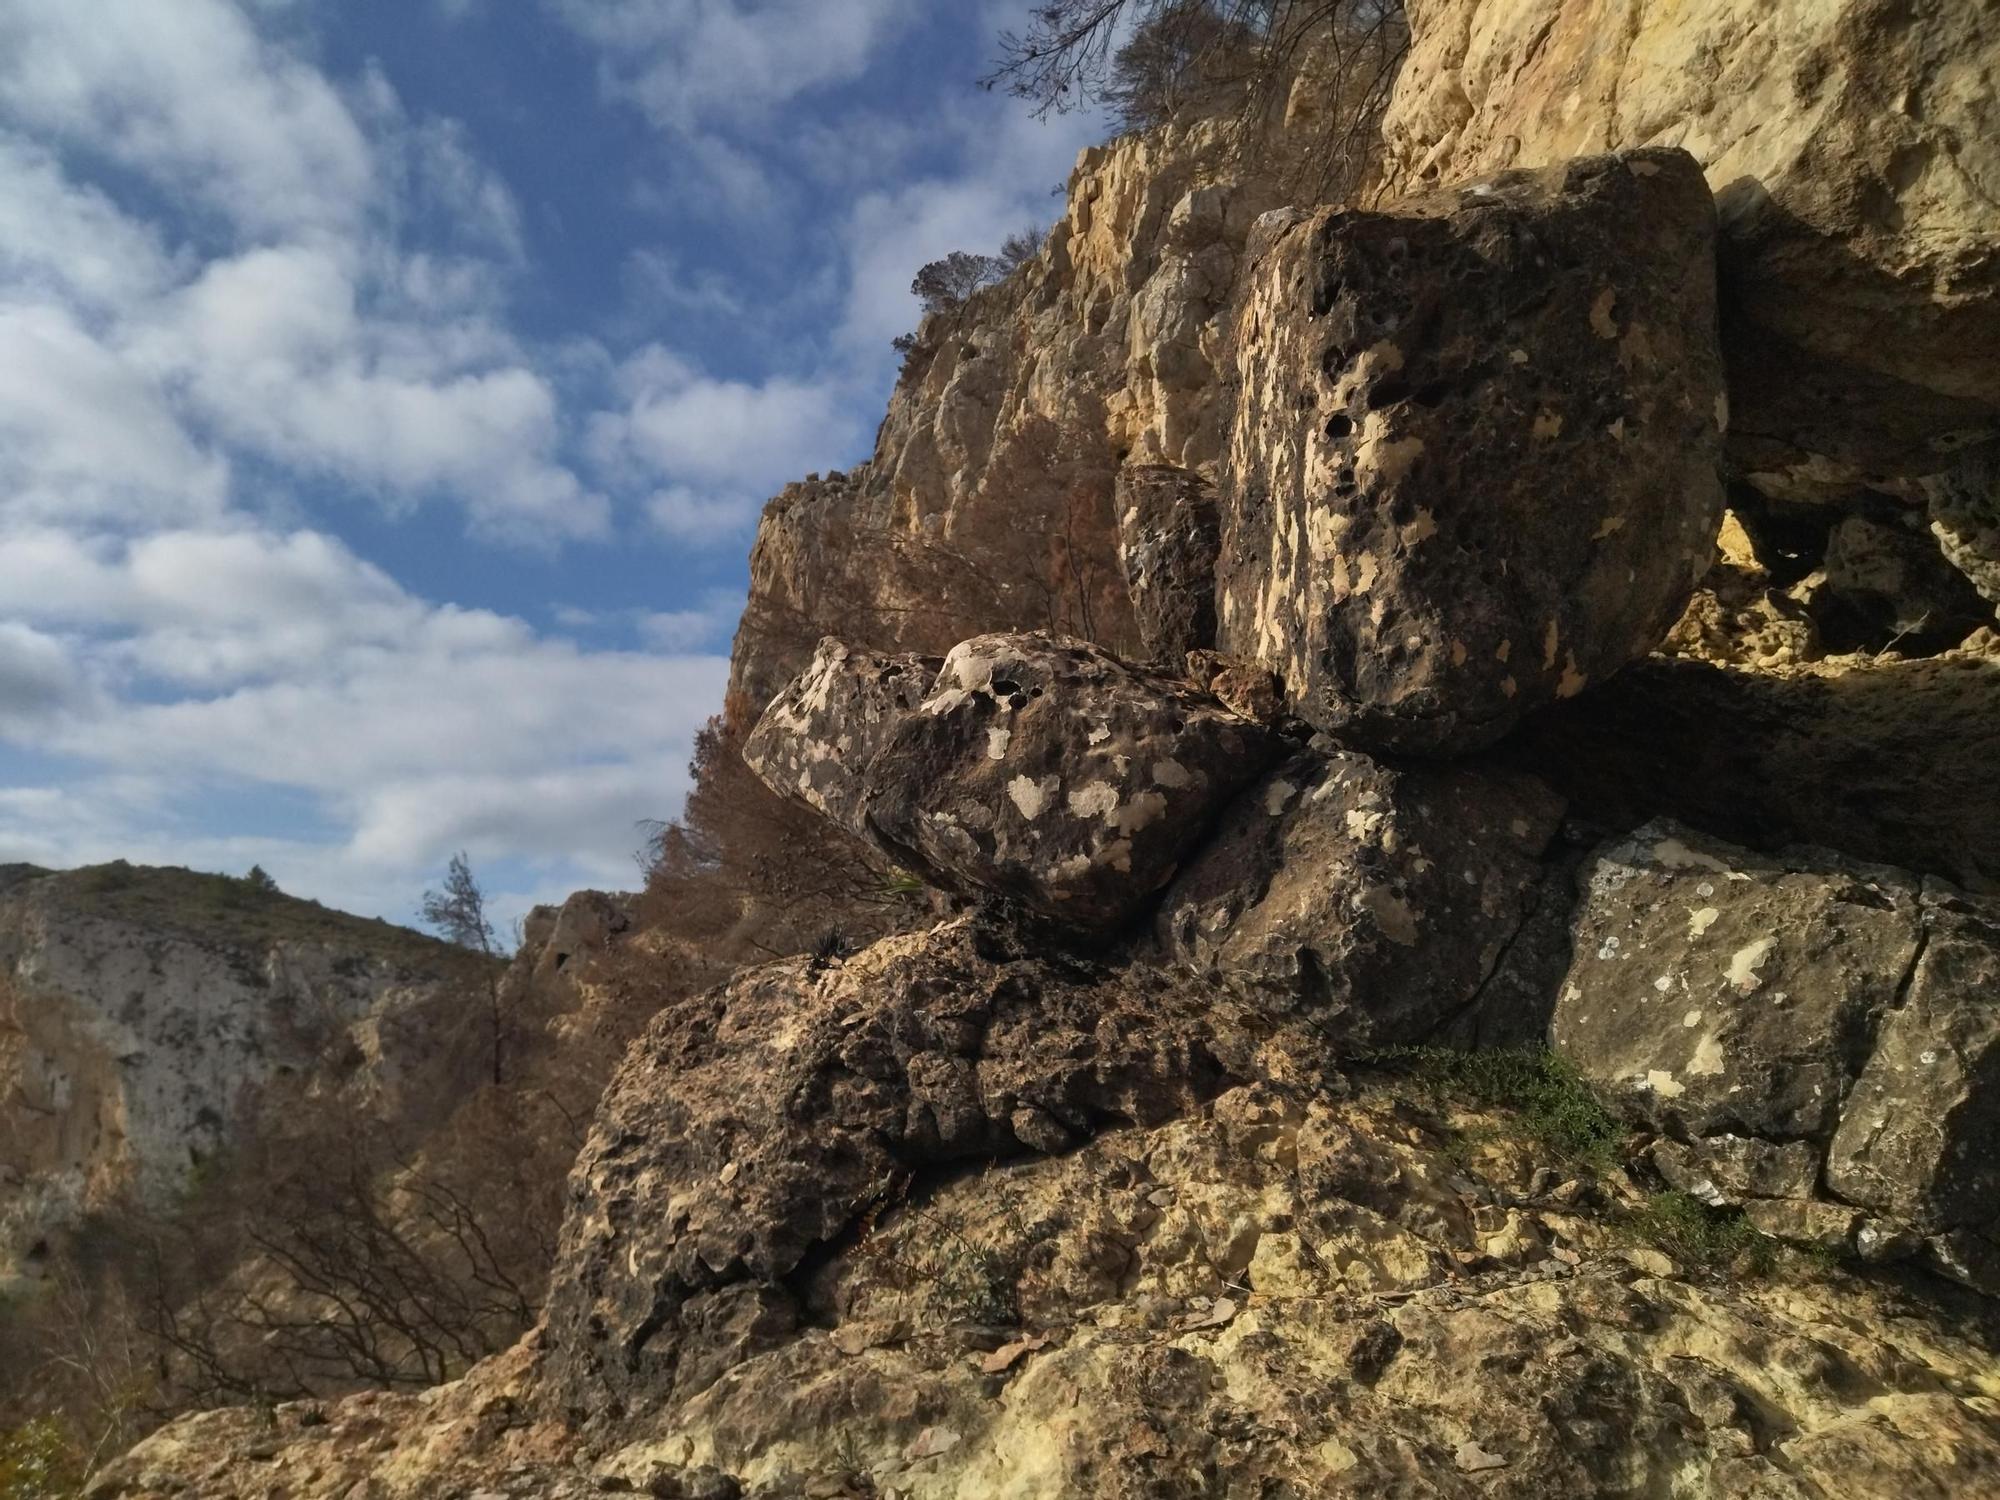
<point>141,1010</point>
<point>1340,1296</point>
<point>1475,462</point>
<point>757,1126</point>
<point>1794,1021</point>
<point>1852,146</point>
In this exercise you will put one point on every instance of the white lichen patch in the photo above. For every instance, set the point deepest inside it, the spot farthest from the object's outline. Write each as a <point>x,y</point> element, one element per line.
<point>1665,1084</point>
<point>1707,1060</point>
<point>1609,526</point>
<point>1171,774</point>
<point>1572,681</point>
<point>1278,796</point>
<point>1097,799</point>
<point>997,741</point>
<point>1548,424</point>
<point>1422,529</point>
<point>1745,963</point>
<point>1701,919</point>
<point>1601,322</point>
<point>1551,644</point>
<point>1028,796</point>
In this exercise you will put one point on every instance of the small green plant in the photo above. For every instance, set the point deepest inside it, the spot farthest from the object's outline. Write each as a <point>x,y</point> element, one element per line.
<point>39,1461</point>
<point>1710,1239</point>
<point>960,1281</point>
<point>1552,1100</point>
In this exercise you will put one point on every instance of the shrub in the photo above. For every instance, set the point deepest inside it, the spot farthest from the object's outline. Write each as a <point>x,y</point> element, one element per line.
<point>1552,1100</point>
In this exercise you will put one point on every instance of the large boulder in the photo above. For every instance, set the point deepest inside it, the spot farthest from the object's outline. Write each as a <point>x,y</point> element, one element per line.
<point>1042,770</point>
<point>1169,533</point>
<point>762,1121</point>
<point>1852,146</point>
<point>1377,900</point>
<point>1717,991</point>
<point>815,741</point>
<point>1917,1133</point>
<point>1819,1039</point>
<point>1475,460</point>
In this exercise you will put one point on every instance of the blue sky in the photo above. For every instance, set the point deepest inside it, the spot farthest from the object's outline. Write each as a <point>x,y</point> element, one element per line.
<point>388,389</point>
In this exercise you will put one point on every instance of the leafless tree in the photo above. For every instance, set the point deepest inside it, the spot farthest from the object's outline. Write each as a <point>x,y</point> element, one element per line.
<point>456,912</point>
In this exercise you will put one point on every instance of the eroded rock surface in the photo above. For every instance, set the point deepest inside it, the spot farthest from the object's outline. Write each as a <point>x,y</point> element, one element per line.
<point>1802,1026</point>
<point>1852,148</point>
<point>1339,1296</point>
<point>1038,769</point>
<point>757,1125</point>
<point>1377,900</point>
<point>1475,460</point>
<point>817,738</point>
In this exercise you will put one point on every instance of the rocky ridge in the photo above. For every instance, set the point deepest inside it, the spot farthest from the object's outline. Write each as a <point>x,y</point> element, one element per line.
<point>142,1010</point>
<point>1123,1180</point>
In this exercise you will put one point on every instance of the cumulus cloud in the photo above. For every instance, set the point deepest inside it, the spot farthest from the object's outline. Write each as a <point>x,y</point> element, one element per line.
<point>688,63</point>
<point>189,95</point>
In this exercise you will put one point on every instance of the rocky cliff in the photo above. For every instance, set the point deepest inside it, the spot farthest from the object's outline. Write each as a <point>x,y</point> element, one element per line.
<point>1456,734</point>
<point>143,1011</point>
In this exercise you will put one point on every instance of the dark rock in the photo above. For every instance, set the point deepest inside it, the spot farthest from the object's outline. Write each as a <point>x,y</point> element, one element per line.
<point>1052,773</point>
<point>1964,508</point>
<point>1169,534</point>
<point>1918,1131</point>
<point>1475,459</point>
<point>1891,762</point>
<point>816,739</point>
<point>1716,991</point>
<point>756,1124</point>
<point>1377,900</point>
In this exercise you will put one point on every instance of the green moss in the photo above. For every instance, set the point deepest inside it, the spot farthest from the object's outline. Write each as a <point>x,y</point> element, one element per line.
<point>1548,1096</point>
<point>1700,1237</point>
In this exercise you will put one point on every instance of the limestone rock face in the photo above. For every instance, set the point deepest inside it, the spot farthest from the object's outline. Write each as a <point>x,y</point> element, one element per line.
<point>1169,534</point>
<point>755,1124</point>
<point>1852,146</point>
<point>988,503</point>
<point>1274,1295</point>
<point>141,1010</point>
<point>1475,460</point>
<point>1377,900</point>
<point>1716,991</point>
<point>817,738</point>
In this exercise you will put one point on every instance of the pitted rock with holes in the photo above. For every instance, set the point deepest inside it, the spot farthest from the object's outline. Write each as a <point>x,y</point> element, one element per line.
<point>1474,463</point>
<point>815,741</point>
<point>1048,771</point>
<point>1376,900</point>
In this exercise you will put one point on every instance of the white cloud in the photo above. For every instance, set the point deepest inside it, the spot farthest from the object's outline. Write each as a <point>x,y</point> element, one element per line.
<point>718,448</point>
<point>85,434</point>
<point>691,62</point>
<point>189,94</point>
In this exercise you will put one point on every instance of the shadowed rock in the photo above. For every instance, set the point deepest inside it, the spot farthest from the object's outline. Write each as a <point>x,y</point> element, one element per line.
<point>1474,466</point>
<point>1377,900</point>
<point>1168,537</point>
<point>817,738</point>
